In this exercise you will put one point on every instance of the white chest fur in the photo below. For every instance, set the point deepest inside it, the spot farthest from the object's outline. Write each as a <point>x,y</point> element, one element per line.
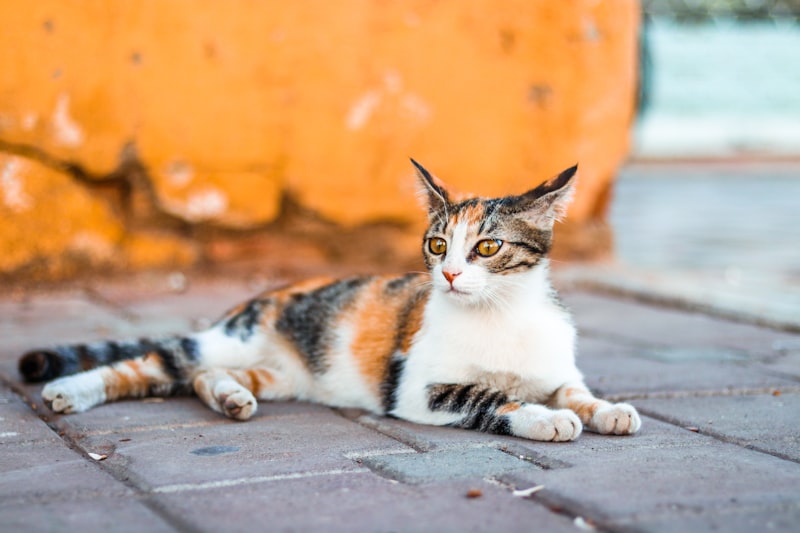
<point>530,341</point>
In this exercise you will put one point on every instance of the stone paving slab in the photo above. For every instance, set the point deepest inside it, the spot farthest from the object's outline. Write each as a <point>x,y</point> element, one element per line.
<point>230,450</point>
<point>764,422</point>
<point>173,464</point>
<point>638,324</point>
<point>615,369</point>
<point>95,512</point>
<point>657,483</point>
<point>362,502</point>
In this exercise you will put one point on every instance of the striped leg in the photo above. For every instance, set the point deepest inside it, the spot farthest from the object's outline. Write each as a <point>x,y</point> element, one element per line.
<point>490,410</point>
<point>598,415</point>
<point>134,378</point>
<point>234,392</point>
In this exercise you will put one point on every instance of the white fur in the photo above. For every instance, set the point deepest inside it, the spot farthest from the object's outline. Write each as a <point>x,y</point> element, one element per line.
<point>343,385</point>
<point>225,351</point>
<point>460,342</point>
<point>77,393</point>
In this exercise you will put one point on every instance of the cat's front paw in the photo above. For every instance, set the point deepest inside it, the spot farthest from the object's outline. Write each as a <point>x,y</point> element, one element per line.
<point>239,403</point>
<point>546,425</point>
<point>616,419</point>
<point>74,394</point>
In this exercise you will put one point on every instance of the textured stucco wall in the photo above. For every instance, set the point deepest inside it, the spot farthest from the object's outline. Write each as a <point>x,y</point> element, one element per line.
<point>127,129</point>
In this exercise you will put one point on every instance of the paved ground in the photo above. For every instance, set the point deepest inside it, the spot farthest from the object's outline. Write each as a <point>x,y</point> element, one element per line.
<point>719,449</point>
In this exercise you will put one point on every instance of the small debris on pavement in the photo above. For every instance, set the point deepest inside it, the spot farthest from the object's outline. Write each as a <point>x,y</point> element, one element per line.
<point>582,523</point>
<point>524,493</point>
<point>474,493</point>
<point>693,429</point>
<point>97,456</point>
<point>776,392</point>
<point>153,400</point>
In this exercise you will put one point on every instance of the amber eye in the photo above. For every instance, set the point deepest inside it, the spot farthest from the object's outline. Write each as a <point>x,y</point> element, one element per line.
<point>488,247</point>
<point>437,246</point>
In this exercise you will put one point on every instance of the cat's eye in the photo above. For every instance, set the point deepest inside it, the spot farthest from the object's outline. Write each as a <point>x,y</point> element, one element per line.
<point>488,247</point>
<point>437,246</point>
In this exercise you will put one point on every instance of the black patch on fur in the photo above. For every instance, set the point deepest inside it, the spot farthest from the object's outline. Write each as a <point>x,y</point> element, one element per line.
<point>398,284</point>
<point>391,380</point>
<point>41,365</point>
<point>167,355</point>
<point>242,324</point>
<point>305,320</point>
<point>190,348</point>
<point>477,404</point>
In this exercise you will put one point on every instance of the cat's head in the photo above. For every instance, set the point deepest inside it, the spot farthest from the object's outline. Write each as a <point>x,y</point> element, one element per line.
<point>479,250</point>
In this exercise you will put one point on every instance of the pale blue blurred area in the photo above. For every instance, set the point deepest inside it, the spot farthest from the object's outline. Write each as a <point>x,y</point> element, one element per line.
<point>721,88</point>
<point>708,211</point>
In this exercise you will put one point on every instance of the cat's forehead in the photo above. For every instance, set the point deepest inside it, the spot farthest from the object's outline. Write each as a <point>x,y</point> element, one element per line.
<point>477,214</point>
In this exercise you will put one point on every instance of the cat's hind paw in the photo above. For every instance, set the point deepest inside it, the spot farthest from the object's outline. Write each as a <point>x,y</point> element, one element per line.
<point>547,425</point>
<point>616,419</point>
<point>74,394</point>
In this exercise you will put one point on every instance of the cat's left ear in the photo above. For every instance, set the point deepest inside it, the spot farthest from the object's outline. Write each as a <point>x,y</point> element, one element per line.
<point>437,197</point>
<point>548,202</point>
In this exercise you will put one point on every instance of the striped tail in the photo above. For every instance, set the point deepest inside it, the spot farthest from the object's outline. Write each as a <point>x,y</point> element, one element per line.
<point>177,355</point>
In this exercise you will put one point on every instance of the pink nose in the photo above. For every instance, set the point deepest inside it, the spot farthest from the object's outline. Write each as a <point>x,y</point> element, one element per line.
<point>450,276</point>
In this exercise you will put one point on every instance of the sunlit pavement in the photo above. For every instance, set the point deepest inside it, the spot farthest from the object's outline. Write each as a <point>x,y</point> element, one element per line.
<point>719,447</point>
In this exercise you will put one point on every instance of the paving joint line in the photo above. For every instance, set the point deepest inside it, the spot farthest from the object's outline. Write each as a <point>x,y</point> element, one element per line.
<point>125,479</point>
<point>717,436</point>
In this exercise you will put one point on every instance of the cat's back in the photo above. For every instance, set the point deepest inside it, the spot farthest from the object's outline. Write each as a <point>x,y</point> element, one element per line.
<point>347,332</point>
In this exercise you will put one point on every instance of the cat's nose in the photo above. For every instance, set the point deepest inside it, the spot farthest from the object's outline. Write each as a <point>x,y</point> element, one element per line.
<point>450,276</point>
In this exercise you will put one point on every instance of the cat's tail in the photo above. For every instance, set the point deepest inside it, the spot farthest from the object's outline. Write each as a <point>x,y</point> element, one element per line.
<point>175,353</point>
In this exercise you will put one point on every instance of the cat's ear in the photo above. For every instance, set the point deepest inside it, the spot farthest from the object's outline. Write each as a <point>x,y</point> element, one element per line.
<point>548,202</point>
<point>435,193</point>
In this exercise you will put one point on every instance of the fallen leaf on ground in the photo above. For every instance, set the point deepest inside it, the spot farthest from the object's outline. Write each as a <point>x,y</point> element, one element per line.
<point>474,493</point>
<point>97,456</point>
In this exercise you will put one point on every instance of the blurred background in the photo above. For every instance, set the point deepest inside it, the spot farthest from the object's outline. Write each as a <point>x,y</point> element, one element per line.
<point>706,210</point>
<point>202,136</point>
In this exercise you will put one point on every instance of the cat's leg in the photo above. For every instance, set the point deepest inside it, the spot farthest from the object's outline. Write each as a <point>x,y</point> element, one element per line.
<point>597,415</point>
<point>234,392</point>
<point>134,378</point>
<point>491,410</point>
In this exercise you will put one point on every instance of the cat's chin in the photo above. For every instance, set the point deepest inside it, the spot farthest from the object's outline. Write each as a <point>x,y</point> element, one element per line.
<point>462,297</point>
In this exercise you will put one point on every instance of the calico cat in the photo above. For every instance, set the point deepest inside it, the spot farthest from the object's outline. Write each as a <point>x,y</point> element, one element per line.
<point>480,341</point>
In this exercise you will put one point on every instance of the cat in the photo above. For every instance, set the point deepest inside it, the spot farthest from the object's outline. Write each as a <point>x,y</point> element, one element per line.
<point>480,341</point>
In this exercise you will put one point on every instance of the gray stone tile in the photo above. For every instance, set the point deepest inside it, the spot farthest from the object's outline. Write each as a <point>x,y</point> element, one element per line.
<point>612,368</point>
<point>96,513</point>
<point>765,422</point>
<point>18,423</point>
<point>705,476</point>
<point>46,469</point>
<point>357,502</point>
<point>416,468</point>
<point>651,326</point>
<point>264,446</point>
<point>732,519</point>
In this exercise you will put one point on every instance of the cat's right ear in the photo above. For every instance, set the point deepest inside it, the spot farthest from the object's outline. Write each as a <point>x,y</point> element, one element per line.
<point>436,194</point>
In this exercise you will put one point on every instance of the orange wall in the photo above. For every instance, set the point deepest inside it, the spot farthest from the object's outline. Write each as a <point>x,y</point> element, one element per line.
<point>208,112</point>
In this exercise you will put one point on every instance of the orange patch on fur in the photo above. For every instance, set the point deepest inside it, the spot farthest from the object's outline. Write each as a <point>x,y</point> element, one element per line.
<point>585,410</point>
<point>259,379</point>
<point>507,408</point>
<point>376,320</point>
<point>471,215</point>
